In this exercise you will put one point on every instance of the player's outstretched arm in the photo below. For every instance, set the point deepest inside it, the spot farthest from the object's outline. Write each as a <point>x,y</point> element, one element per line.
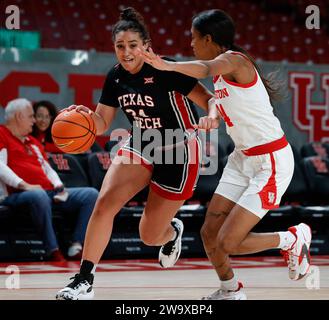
<point>223,64</point>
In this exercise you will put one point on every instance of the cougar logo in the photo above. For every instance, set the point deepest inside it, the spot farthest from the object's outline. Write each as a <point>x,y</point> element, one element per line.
<point>271,197</point>
<point>104,159</point>
<point>61,163</point>
<point>310,116</point>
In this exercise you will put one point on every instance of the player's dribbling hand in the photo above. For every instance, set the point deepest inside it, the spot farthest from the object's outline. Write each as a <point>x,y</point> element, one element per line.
<point>155,60</point>
<point>207,123</point>
<point>78,108</point>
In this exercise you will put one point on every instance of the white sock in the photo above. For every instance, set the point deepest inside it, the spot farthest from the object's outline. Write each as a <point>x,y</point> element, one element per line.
<point>231,284</point>
<point>287,238</point>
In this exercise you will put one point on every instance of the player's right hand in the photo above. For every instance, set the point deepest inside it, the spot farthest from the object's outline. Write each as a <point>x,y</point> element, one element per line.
<point>78,108</point>
<point>207,123</point>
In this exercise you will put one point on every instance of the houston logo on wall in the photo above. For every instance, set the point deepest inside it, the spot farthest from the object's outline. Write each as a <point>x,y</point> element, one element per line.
<point>309,116</point>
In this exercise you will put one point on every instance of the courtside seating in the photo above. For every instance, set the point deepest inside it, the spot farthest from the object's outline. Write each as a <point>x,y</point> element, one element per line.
<point>317,175</point>
<point>98,164</point>
<point>210,172</point>
<point>297,191</point>
<point>69,169</point>
<point>109,145</point>
<point>315,149</point>
<point>229,148</point>
<point>316,213</point>
<point>206,186</point>
<point>19,240</point>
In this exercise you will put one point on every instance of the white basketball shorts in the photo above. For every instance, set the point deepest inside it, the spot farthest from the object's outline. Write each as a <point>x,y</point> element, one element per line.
<point>257,182</point>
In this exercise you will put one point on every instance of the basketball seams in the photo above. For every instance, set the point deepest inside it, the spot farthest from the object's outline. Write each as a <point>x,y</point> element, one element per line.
<point>87,138</point>
<point>88,120</point>
<point>77,124</point>
<point>86,142</point>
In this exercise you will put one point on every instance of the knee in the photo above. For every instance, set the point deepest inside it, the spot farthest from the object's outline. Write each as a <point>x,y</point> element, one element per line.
<point>86,195</point>
<point>226,244</point>
<point>93,193</point>
<point>91,196</point>
<point>208,233</point>
<point>103,201</point>
<point>107,205</point>
<point>148,237</point>
<point>39,197</point>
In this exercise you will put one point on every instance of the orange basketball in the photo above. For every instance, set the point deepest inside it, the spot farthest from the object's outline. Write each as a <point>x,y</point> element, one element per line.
<point>73,132</point>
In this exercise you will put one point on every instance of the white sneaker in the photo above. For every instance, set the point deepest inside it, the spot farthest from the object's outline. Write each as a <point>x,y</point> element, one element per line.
<point>79,289</point>
<point>298,256</point>
<point>170,252</point>
<point>75,250</point>
<point>227,294</point>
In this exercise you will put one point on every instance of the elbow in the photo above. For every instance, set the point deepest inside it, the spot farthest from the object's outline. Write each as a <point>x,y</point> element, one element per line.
<point>206,71</point>
<point>205,74</point>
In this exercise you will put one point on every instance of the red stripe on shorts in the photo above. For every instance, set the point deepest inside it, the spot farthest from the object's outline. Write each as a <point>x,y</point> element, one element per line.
<point>269,192</point>
<point>136,159</point>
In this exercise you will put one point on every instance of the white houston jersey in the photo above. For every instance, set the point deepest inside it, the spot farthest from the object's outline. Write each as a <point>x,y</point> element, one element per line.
<point>247,111</point>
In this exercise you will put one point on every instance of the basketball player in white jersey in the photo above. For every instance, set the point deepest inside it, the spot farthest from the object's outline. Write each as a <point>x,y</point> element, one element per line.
<point>261,166</point>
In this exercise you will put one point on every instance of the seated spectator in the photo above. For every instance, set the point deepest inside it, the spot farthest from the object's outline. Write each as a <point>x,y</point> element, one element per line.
<point>45,113</point>
<point>29,180</point>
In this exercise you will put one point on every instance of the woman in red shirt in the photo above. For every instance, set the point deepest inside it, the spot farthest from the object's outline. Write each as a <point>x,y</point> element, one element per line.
<point>45,112</point>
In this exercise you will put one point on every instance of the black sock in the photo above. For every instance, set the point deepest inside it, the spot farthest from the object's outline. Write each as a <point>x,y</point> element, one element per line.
<point>86,267</point>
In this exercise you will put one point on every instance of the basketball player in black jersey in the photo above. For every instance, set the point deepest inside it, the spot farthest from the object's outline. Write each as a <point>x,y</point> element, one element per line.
<point>152,100</point>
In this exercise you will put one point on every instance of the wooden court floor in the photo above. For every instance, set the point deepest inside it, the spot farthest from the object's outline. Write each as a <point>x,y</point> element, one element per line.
<point>264,278</point>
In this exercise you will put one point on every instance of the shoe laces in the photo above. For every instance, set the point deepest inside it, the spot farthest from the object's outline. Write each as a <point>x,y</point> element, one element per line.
<point>169,248</point>
<point>79,280</point>
<point>288,258</point>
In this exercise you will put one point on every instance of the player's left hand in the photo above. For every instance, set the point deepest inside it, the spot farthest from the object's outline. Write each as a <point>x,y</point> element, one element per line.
<point>207,123</point>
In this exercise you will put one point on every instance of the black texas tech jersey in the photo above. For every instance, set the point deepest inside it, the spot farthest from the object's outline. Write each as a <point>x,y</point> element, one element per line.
<point>151,99</point>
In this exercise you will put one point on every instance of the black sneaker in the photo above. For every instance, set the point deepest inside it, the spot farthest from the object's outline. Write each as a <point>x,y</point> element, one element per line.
<point>170,252</point>
<point>79,289</point>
